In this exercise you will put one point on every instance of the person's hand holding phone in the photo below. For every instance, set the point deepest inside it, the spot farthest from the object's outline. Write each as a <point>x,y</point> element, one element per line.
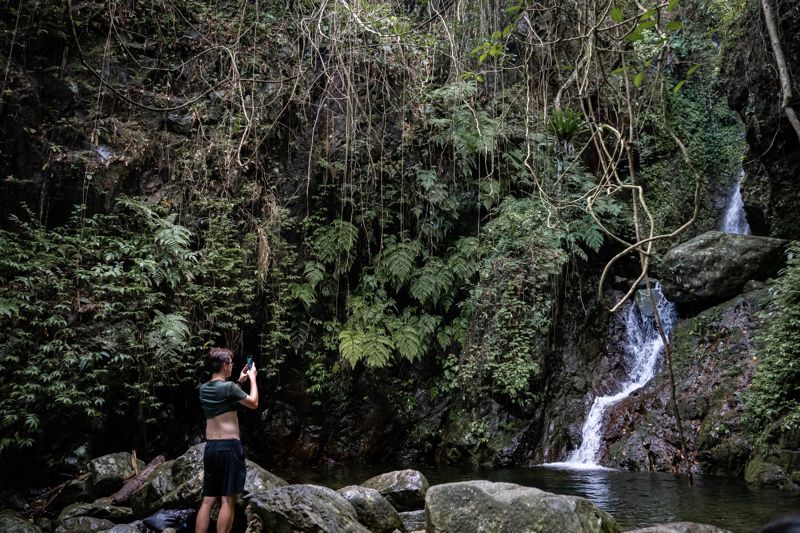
<point>251,369</point>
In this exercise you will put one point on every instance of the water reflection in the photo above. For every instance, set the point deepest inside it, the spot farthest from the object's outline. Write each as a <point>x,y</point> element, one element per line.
<point>635,499</point>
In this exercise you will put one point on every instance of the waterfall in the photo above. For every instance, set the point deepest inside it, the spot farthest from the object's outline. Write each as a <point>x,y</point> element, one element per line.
<point>643,347</point>
<point>735,220</point>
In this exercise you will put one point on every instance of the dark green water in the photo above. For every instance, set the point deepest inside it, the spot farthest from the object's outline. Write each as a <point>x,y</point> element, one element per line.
<point>635,499</point>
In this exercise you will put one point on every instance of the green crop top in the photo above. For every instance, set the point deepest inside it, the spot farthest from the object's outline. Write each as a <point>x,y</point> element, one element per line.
<point>219,397</point>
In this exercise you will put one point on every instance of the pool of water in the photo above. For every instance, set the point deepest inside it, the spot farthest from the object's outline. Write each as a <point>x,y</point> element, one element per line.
<point>634,499</point>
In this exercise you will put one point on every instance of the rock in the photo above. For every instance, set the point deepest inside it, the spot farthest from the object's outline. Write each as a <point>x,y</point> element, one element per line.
<point>302,508</point>
<point>373,510</point>
<point>133,527</point>
<point>680,527</point>
<point>179,484</point>
<point>413,520</point>
<point>715,266</point>
<point>11,521</point>
<point>405,489</point>
<point>76,490</point>
<point>485,506</point>
<point>179,123</point>
<point>109,472</point>
<point>762,473</point>
<point>98,509</point>
<point>84,524</point>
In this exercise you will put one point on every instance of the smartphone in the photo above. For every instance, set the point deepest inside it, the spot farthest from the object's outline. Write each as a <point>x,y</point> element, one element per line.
<point>249,362</point>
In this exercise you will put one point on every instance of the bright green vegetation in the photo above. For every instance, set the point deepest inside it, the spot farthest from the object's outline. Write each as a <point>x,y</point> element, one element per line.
<point>774,396</point>
<point>371,187</point>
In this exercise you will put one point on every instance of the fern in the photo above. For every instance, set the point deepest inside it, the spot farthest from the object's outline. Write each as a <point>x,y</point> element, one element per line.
<point>333,244</point>
<point>432,281</point>
<point>396,261</point>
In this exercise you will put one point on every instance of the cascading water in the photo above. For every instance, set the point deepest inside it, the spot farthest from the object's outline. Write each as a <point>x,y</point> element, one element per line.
<point>735,220</point>
<point>643,347</point>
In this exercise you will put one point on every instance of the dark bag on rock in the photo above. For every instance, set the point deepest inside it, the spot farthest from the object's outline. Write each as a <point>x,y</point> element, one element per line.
<point>178,519</point>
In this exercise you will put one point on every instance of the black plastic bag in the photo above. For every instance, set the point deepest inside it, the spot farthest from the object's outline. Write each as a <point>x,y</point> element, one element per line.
<point>178,519</point>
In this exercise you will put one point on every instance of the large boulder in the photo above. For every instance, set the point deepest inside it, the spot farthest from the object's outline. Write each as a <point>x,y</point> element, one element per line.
<point>178,484</point>
<point>296,508</point>
<point>714,266</point>
<point>109,472</point>
<point>486,506</point>
<point>373,510</point>
<point>405,489</point>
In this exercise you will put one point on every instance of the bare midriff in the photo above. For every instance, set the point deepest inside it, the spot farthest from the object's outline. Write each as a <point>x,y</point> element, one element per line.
<point>224,426</point>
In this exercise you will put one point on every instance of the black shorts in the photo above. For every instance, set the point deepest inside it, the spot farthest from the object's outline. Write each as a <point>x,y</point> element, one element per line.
<point>224,468</point>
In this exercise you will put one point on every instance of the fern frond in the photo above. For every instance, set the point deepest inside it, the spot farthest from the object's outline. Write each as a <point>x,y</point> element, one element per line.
<point>396,261</point>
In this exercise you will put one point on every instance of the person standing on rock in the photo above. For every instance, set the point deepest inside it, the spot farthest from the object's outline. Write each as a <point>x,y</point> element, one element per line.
<point>223,459</point>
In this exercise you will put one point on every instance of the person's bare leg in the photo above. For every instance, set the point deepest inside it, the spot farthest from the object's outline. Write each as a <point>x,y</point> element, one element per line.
<point>204,514</point>
<point>226,510</point>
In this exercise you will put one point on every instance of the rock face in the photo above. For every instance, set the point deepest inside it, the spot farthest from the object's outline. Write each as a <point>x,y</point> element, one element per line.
<point>178,484</point>
<point>714,266</point>
<point>772,161</point>
<point>405,489</point>
<point>302,508</point>
<point>486,506</point>
<point>373,510</point>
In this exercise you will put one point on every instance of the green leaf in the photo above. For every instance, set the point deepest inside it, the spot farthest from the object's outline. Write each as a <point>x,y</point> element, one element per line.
<point>692,70</point>
<point>637,80</point>
<point>678,86</point>
<point>616,14</point>
<point>672,5</point>
<point>674,25</point>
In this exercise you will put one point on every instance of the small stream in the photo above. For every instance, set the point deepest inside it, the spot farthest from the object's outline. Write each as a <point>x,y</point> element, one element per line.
<point>634,499</point>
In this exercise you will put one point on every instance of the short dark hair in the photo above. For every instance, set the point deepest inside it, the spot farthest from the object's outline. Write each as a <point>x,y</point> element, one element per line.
<point>217,357</point>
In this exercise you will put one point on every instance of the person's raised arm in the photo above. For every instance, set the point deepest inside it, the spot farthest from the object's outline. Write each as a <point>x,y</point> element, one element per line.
<point>251,401</point>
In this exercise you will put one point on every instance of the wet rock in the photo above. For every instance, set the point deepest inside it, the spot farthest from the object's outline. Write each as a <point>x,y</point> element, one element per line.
<point>405,489</point>
<point>413,520</point>
<point>11,521</point>
<point>680,527</point>
<point>715,266</point>
<point>485,506</point>
<point>84,524</point>
<point>373,510</point>
<point>109,472</point>
<point>302,508</point>
<point>179,483</point>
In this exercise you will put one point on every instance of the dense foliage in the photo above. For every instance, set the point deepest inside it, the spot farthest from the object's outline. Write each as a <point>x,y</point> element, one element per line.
<point>343,188</point>
<point>774,395</point>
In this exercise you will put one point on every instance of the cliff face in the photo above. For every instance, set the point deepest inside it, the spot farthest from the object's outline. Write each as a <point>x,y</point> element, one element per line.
<point>772,162</point>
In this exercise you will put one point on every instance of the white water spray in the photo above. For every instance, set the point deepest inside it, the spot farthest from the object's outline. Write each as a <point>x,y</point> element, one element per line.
<point>735,220</point>
<point>643,347</point>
